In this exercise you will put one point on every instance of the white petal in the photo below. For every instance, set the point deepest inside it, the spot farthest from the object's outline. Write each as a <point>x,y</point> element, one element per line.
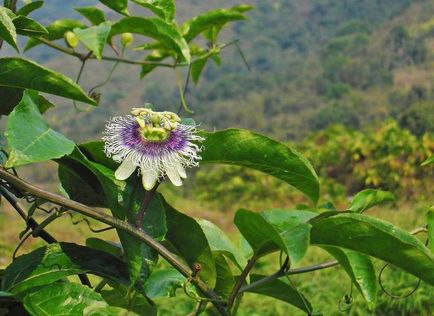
<point>173,175</point>
<point>149,179</point>
<point>125,169</point>
<point>180,169</point>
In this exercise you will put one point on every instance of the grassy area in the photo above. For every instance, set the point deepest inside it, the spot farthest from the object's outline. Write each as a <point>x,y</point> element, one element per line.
<point>325,289</point>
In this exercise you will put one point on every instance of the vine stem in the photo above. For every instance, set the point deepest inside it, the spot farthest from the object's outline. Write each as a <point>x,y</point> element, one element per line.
<point>82,56</point>
<point>282,273</point>
<point>33,224</point>
<point>241,280</point>
<point>117,223</point>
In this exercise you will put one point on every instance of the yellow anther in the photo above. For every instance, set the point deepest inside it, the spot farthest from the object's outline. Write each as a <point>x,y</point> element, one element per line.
<point>141,122</point>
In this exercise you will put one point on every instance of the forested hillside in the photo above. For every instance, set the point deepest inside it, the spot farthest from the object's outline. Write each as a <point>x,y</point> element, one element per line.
<point>313,63</point>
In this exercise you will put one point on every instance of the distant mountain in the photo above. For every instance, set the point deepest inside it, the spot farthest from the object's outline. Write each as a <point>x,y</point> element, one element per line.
<point>313,63</point>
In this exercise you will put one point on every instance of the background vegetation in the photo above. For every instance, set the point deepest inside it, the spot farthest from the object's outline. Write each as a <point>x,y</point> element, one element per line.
<point>349,83</point>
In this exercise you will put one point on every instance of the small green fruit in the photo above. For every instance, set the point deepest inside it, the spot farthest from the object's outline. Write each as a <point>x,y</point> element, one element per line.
<point>71,39</point>
<point>127,39</point>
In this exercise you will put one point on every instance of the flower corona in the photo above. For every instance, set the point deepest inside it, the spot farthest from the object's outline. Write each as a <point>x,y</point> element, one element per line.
<point>156,142</point>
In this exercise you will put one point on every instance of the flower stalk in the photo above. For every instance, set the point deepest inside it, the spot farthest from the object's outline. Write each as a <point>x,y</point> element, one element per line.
<point>145,204</point>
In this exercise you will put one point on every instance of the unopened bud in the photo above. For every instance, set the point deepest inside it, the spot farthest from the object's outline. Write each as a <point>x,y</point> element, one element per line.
<point>71,39</point>
<point>127,39</point>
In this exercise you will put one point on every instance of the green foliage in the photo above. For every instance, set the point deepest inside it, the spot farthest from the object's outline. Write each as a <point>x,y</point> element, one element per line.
<point>30,7</point>
<point>244,148</point>
<point>128,300</point>
<point>163,283</point>
<point>7,27</point>
<point>215,19</point>
<point>374,237</point>
<point>120,6</point>
<point>221,244</point>
<point>360,269</point>
<point>388,158</point>
<point>28,27</point>
<point>82,301</point>
<point>282,290</point>
<point>56,30</point>
<point>30,138</point>
<point>26,74</point>
<point>94,15</point>
<point>139,257</point>
<point>160,30</point>
<point>368,198</point>
<point>430,220</point>
<point>275,230</point>
<point>49,264</point>
<point>342,68</point>
<point>163,8</point>
<point>188,239</point>
<point>94,38</point>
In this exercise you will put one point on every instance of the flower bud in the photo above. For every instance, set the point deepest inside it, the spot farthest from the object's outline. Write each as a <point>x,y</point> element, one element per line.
<point>127,39</point>
<point>71,39</point>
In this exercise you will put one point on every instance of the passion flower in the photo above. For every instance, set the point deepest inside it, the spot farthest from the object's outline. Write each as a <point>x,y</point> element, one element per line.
<point>155,142</point>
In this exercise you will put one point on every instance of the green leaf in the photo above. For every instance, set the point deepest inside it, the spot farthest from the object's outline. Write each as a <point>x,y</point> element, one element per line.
<point>360,269</point>
<point>275,230</point>
<point>196,69</point>
<point>124,199</point>
<point>430,220</point>
<point>7,29</point>
<point>215,18</point>
<point>163,283</point>
<point>79,187</point>
<point>6,294</point>
<point>155,28</point>
<point>428,161</point>
<point>94,151</point>
<point>109,247</point>
<point>155,56</point>
<point>187,237</point>
<point>94,15</point>
<point>56,30</point>
<point>220,243</point>
<point>244,148</point>
<point>30,139</point>
<point>22,73</point>
<point>120,6</point>
<point>281,290</point>
<point>369,198</point>
<point>44,105</point>
<point>163,8</point>
<point>202,57</point>
<point>225,280</point>
<point>94,38</point>
<point>375,238</point>
<point>28,27</point>
<point>56,261</point>
<point>10,97</point>
<point>69,299</point>
<point>129,300</point>
<point>30,7</point>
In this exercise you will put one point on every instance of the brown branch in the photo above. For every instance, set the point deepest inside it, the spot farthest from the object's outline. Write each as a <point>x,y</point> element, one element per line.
<point>117,223</point>
<point>241,280</point>
<point>43,234</point>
